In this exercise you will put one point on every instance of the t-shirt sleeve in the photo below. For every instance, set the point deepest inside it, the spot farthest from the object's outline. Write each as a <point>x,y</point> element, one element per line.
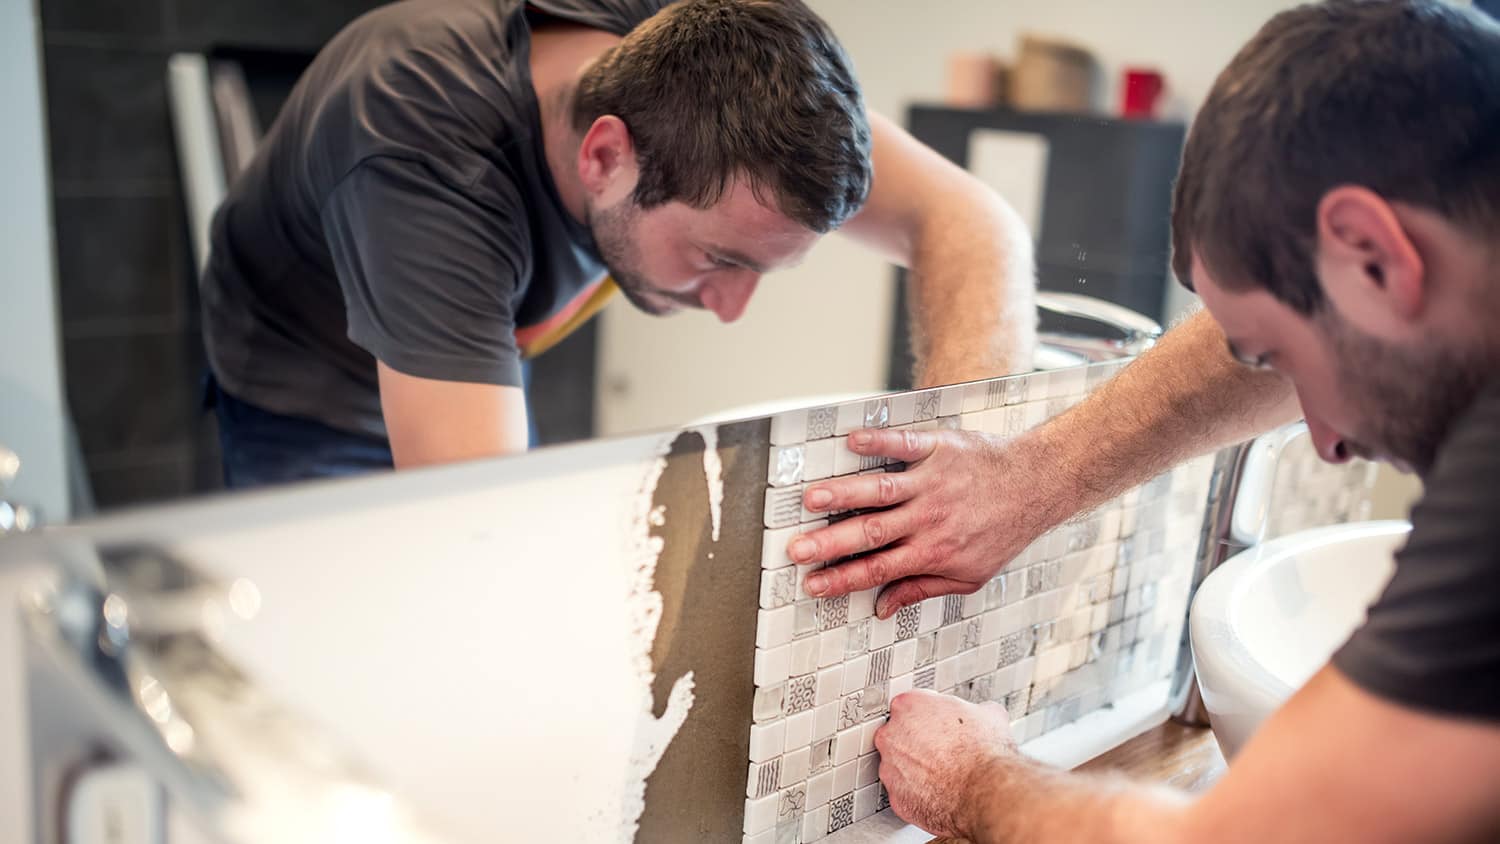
<point>1432,640</point>
<point>428,273</point>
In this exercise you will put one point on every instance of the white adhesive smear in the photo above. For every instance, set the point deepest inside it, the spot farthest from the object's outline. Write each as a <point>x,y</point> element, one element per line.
<point>644,605</point>
<point>713,469</point>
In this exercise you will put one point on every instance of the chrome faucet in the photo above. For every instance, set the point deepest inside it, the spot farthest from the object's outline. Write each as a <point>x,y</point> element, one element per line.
<point>1124,333</point>
<point>131,633</point>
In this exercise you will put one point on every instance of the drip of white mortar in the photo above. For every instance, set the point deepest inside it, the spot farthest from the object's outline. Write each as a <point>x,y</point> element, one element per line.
<point>713,469</point>
<point>652,734</point>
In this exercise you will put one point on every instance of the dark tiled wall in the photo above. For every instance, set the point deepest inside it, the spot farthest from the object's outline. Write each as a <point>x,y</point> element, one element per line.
<point>131,346</point>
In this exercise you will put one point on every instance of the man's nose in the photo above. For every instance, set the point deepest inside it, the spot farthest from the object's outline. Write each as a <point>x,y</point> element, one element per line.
<point>1328,442</point>
<point>728,295</point>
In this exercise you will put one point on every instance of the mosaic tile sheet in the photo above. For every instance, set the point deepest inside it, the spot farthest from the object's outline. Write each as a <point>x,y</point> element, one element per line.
<point>1088,614</point>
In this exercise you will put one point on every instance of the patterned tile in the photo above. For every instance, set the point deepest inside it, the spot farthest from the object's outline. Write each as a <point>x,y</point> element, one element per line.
<point>793,802</point>
<point>971,634</point>
<point>833,612</point>
<point>822,422</point>
<point>880,667</point>
<point>852,710</point>
<point>841,813</point>
<point>801,692</point>
<point>1015,647</point>
<point>907,619</point>
<point>768,778</point>
<point>953,609</point>
<point>928,405</point>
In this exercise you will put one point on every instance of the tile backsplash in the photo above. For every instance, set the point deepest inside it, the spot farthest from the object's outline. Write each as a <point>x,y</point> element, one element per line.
<point>1309,492</point>
<point>1090,613</point>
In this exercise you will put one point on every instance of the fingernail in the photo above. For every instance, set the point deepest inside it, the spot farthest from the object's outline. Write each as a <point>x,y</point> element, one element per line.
<point>818,499</point>
<point>816,584</point>
<point>860,439</point>
<point>801,550</point>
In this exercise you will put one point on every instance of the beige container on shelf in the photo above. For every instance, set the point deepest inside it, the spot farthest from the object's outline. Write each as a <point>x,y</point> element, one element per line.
<point>1052,75</point>
<point>975,80</point>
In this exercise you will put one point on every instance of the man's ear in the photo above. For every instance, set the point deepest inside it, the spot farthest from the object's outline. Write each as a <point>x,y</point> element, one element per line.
<point>606,160</point>
<point>1370,270</point>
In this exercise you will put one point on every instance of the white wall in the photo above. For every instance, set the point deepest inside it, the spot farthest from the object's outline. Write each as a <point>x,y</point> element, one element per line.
<point>824,327</point>
<point>31,408</point>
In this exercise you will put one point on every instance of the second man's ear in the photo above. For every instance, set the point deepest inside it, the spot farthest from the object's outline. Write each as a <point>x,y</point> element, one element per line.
<point>1370,270</point>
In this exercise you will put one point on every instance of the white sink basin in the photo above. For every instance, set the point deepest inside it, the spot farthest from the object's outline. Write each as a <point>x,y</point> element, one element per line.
<point>1264,622</point>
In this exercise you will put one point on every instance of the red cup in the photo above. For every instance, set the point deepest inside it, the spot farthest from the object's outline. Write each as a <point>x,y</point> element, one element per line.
<point>1143,89</point>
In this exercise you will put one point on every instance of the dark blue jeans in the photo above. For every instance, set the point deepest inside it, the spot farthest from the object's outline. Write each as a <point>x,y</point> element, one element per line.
<point>261,448</point>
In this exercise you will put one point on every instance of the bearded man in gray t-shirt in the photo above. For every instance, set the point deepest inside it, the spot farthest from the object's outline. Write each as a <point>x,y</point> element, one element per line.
<point>455,184</point>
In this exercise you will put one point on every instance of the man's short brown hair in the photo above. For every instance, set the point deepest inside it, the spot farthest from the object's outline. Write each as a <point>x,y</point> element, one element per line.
<point>1398,96</point>
<point>712,90</point>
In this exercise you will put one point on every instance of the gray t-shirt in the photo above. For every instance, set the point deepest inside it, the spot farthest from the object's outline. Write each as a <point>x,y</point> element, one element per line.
<point>1432,641</point>
<point>400,208</point>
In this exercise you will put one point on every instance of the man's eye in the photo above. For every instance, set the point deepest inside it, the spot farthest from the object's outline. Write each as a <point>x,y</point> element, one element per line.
<point>1261,361</point>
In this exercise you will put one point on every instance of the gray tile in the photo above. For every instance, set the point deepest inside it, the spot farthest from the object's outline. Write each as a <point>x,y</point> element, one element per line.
<point>134,391</point>
<point>107,116</point>
<point>285,23</point>
<point>149,480</point>
<point>122,258</point>
<point>139,18</point>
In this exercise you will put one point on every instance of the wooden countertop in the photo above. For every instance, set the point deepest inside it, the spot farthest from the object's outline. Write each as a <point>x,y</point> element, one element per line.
<point>1184,757</point>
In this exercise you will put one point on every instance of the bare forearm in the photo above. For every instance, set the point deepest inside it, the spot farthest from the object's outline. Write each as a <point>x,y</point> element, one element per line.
<point>972,278</point>
<point>1183,398</point>
<point>972,296</point>
<point>1022,801</point>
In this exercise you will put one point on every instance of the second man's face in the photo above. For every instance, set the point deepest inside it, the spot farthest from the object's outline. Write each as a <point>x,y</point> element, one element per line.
<point>675,256</point>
